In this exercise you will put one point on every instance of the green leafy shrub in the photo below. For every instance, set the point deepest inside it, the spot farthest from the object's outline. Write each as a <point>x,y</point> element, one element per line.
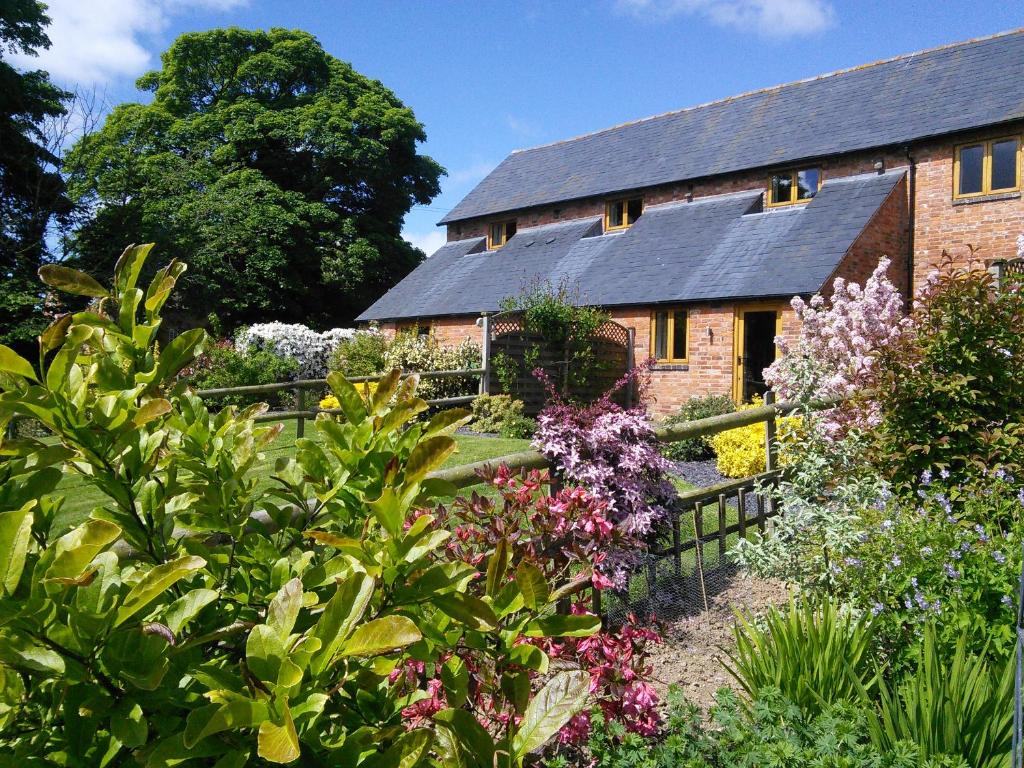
<point>501,414</point>
<point>195,619</point>
<point>812,653</point>
<point>362,355</point>
<point>953,704</point>
<point>952,394</point>
<point>222,366</point>
<point>773,733</point>
<point>696,408</point>
<point>412,352</point>
<point>953,554</point>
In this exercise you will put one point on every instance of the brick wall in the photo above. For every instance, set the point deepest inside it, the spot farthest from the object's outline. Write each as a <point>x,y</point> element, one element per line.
<point>990,225</point>
<point>885,235</point>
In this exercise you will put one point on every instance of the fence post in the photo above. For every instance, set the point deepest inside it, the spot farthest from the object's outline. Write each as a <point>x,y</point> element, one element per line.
<point>630,363</point>
<point>770,443</point>
<point>485,354</point>
<point>300,406</point>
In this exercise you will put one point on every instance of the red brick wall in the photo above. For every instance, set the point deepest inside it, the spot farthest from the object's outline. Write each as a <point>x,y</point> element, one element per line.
<point>940,223</point>
<point>885,235</point>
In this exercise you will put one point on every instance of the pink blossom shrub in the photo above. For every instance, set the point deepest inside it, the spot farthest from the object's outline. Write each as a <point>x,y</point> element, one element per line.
<point>839,343</point>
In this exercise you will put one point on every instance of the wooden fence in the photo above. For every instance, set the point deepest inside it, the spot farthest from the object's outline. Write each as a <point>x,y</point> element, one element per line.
<point>299,388</point>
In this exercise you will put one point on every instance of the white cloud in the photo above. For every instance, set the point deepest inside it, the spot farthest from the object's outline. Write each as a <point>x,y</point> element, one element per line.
<point>769,18</point>
<point>94,41</point>
<point>428,242</point>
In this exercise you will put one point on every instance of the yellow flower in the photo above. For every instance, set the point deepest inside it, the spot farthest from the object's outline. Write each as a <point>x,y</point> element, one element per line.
<point>366,389</point>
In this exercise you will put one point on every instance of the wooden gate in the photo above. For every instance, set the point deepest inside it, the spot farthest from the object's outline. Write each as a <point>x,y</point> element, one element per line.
<point>514,352</point>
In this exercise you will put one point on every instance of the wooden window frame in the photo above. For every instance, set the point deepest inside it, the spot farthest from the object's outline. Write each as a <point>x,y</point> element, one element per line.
<point>491,244</point>
<point>793,189</point>
<point>670,341</point>
<point>986,168</point>
<point>625,212</point>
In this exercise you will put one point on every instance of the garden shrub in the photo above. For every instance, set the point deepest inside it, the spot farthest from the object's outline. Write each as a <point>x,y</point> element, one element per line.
<point>696,408</point>
<point>501,414</point>
<point>613,453</point>
<point>773,733</point>
<point>176,626</point>
<point>221,365</point>
<point>740,452</point>
<point>812,653</point>
<point>952,394</point>
<point>953,555</point>
<point>310,349</point>
<point>412,352</point>
<point>362,354</point>
<point>953,703</point>
<point>565,536</point>
<point>561,317</point>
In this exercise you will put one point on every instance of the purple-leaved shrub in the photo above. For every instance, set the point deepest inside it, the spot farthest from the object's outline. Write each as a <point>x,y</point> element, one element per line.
<point>612,452</point>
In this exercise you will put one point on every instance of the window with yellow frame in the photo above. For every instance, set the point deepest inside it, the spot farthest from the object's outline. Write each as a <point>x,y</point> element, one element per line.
<point>499,233</point>
<point>622,213</point>
<point>670,335</point>
<point>791,187</point>
<point>987,167</point>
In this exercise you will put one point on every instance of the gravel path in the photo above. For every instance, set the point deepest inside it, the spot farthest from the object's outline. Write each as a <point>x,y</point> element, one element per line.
<point>699,474</point>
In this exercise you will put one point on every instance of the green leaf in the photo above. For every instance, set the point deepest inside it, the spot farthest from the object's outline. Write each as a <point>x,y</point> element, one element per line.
<point>388,511</point>
<point>15,534</point>
<point>215,718</point>
<point>348,398</point>
<point>428,455</point>
<point>385,391</point>
<point>533,586</point>
<point>187,607</point>
<point>381,636</point>
<point>562,697</point>
<point>128,724</point>
<point>455,677</point>
<point>71,281</point>
<point>529,656</point>
<point>341,614</point>
<point>471,611</point>
<point>180,352</point>
<point>76,549</point>
<point>496,567</point>
<point>284,608</point>
<point>407,751</point>
<point>54,334</point>
<point>155,583</point>
<point>559,625</point>
<point>129,266</point>
<point>446,422</point>
<point>475,743</point>
<point>516,687</point>
<point>153,409</point>
<point>12,362</point>
<point>278,743</point>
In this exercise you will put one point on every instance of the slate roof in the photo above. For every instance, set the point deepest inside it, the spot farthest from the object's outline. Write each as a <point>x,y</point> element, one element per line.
<point>717,248</point>
<point>889,103</point>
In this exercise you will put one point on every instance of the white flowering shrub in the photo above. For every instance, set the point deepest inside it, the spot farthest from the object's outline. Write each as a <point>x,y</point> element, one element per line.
<point>412,352</point>
<point>310,349</point>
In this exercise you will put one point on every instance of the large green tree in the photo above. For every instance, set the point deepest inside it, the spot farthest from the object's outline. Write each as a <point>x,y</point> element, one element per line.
<point>277,171</point>
<point>31,190</point>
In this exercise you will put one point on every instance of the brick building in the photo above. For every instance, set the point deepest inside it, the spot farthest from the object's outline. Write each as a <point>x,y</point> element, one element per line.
<point>696,227</point>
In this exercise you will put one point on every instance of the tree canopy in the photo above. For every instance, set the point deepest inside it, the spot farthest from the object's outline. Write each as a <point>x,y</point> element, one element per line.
<point>31,190</point>
<point>276,170</point>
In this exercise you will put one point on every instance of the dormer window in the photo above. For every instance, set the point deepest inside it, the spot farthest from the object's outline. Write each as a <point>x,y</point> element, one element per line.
<point>621,214</point>
<point>792,187</point>
<point>499,233</point>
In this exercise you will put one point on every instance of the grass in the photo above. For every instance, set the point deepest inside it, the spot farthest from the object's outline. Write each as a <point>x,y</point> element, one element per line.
<point>81,497</point>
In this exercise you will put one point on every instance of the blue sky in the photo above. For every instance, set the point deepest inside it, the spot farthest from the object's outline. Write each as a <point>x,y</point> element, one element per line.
<point>488,77</point>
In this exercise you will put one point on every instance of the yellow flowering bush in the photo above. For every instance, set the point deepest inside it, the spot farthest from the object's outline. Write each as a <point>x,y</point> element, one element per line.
<point>740,451</point>
<point>366,389</point>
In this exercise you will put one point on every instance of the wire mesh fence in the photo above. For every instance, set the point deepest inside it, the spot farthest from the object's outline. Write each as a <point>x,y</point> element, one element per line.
<point>688,563</point>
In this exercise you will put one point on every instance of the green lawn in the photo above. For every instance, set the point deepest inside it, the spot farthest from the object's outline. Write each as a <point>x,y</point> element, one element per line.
<point>81,497</point>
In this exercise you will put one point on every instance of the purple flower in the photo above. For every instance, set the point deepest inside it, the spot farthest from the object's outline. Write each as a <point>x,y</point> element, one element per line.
<point>896,561</point>
<point>944,474</point>
<point>1006,600</point>
<point>854,562</point>
<point>952,572</point>
<point>926,551</point>
<point>926,477</point>
<point>876,609</point>
<point>999,557</point>
<point>887,524</point>
<point>1020,496</point>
